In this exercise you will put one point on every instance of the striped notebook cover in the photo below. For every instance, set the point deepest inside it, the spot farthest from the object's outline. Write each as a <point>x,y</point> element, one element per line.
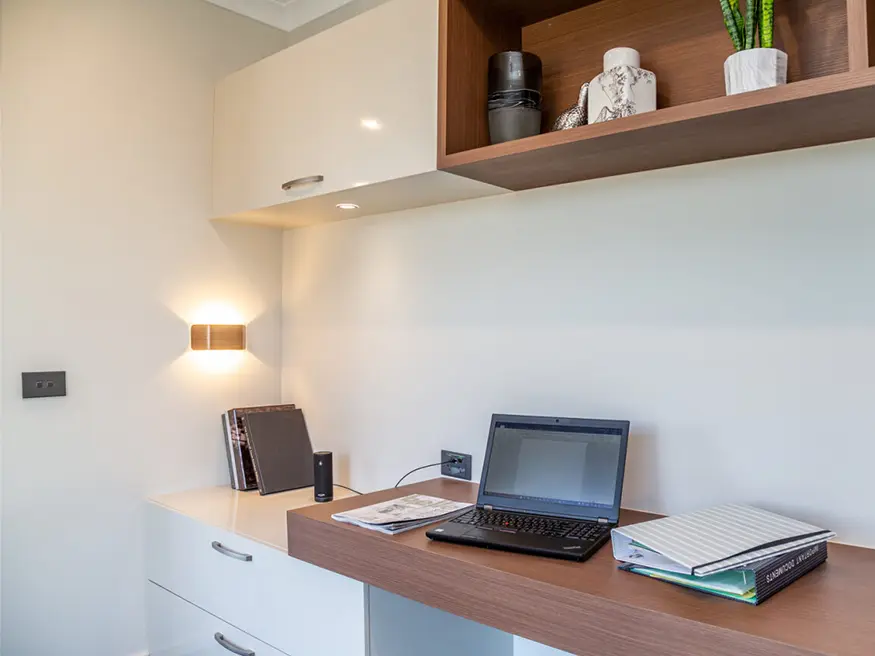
<point>714,540</point>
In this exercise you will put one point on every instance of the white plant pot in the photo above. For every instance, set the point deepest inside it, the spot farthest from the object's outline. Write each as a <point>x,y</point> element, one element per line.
<point>751,70</point>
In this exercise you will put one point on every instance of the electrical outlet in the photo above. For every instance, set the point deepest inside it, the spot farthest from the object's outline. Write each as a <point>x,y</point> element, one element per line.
<point>459,468</point>
<point>41,384</point>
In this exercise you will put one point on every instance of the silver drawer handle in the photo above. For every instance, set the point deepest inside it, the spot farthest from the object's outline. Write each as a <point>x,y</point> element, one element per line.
<point>300,182</point>
<point>230,646</point>
<point>225,551</point>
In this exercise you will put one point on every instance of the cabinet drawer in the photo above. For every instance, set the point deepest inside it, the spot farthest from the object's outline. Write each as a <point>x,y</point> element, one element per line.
<point>176,628</point>
<point>289,604</point>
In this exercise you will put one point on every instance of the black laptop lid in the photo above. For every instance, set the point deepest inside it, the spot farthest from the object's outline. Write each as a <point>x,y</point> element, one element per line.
<point>565,467</point>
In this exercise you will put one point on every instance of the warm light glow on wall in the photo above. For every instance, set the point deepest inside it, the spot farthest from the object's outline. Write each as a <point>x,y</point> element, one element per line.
<point>217,363</point>
<point>217,340</point>
<point>216,313</point>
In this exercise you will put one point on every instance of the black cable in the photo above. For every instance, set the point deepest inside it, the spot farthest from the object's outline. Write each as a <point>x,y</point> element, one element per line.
<point>349,488</point>
<point>437,464</point>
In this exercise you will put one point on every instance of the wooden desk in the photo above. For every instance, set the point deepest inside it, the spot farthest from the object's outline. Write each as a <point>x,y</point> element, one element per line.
<point>593,609</point>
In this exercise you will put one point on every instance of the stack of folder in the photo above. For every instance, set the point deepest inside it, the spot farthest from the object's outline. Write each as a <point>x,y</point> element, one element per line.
<point>737,552</point>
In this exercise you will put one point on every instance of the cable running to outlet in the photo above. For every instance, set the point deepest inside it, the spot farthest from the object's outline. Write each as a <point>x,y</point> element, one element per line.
<point>452,461</point>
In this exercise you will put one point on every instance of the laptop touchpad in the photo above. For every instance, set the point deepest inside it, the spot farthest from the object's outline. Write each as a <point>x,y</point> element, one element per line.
<point>500,537</point>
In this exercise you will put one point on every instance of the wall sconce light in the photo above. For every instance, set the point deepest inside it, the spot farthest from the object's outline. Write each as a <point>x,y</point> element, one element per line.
<point>218,337</point>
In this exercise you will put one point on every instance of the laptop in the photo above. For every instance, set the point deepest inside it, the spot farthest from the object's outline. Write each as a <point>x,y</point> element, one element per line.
<point>550,487</point>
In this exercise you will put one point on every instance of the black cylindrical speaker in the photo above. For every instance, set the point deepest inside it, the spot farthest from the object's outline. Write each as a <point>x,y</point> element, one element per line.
<point>323,476</point>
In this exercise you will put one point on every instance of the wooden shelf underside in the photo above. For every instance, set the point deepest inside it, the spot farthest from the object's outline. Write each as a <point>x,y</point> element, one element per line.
<point>825,110</point>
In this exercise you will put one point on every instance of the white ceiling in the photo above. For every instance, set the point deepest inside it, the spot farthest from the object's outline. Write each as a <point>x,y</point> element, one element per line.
<point>284,14</point>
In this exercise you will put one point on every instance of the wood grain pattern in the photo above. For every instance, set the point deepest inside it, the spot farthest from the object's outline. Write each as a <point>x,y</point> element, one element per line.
<point>861,33</point>
<point>683,41</point>
<point>870,28</point>
<point>592,609</point>
<point>218,337</point>
<point>526,12</point>
<point>825,110</point>
<point>468,38</point>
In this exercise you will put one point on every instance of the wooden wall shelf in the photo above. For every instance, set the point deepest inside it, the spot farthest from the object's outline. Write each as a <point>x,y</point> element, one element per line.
<point>829,98</point>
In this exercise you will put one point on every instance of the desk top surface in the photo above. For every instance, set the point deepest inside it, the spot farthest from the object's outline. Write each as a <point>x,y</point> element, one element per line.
<point>593,608</point>
<point>259,518</point>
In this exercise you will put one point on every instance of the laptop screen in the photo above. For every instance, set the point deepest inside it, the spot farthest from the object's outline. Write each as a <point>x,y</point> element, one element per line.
<point>568,467</point>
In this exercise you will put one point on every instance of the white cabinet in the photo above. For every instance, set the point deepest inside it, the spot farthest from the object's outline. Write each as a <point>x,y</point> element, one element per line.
<point>177,628</point>
<point>221,581</point>
<point>260,589</point>
<point>266,133</point>
<point>348,115</point>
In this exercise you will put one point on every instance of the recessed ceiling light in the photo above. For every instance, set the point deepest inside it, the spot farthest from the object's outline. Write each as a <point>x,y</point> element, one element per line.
<point>371,124</point>
<point>347,206</point>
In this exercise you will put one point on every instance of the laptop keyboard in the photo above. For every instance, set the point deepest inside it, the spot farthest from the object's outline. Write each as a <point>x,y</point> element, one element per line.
<point>553,527</point>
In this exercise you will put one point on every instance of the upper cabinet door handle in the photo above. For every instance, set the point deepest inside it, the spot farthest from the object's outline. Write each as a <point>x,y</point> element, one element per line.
<point>230,646</point>
<point>225,551</point>
<point>313,179</point>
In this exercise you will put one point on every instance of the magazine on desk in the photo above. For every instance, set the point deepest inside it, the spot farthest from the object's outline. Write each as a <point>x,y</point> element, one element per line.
<point>404,514</point>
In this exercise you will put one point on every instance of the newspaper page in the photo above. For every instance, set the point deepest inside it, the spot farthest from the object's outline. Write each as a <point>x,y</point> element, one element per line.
<point>403,514</point>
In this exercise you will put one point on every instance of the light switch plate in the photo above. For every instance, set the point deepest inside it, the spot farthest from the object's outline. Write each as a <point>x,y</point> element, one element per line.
<point>42,384</point>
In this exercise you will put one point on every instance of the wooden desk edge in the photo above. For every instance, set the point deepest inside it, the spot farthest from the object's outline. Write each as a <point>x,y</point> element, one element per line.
<point>525,606</point>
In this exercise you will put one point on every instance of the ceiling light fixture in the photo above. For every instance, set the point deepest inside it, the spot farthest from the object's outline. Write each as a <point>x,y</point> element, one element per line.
<point>371,124</point>
<point>347,206</point>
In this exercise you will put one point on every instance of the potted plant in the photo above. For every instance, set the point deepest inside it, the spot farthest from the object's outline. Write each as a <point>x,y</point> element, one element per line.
<point>751,67</point>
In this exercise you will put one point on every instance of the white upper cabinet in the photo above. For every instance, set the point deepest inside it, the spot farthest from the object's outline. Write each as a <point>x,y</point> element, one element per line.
<point>267,132</point>
<point>346,116</point>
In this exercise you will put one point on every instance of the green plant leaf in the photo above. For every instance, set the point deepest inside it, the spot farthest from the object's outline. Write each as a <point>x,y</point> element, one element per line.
<point>767,24</point>
<point>731,27</point>
<point>739,19</point>
<point>751,23</point>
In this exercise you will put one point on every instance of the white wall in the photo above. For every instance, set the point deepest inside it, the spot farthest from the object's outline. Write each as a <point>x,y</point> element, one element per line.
<point>107,256</point>
<point>725,309</point>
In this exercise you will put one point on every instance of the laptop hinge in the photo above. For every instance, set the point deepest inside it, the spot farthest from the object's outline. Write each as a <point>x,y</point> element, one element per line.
<point>603,520</point>
<point>489,508</point>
